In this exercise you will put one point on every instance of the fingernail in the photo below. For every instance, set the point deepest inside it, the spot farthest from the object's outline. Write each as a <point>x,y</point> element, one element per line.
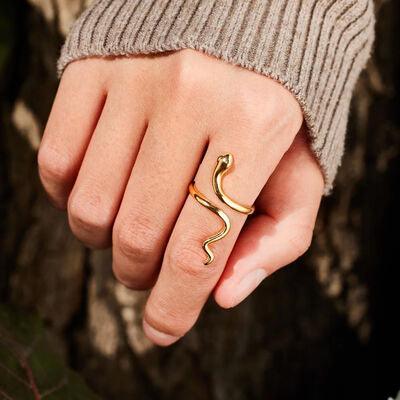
<point>248,284</point>
<point>159,338</point>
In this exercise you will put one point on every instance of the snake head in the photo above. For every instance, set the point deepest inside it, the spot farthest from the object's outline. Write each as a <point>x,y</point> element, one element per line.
<point>226,160</point>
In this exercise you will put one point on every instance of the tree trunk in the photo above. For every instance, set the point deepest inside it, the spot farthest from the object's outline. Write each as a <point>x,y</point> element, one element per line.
<point>323,328</point>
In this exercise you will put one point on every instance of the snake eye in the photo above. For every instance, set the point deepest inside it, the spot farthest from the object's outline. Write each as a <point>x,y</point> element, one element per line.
<point>227,159</point>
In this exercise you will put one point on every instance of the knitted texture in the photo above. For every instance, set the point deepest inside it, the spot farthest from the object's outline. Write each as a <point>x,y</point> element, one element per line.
<point>315,48</point>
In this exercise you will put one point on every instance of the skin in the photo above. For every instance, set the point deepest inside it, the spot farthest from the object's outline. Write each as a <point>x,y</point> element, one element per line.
<point>124,139</point>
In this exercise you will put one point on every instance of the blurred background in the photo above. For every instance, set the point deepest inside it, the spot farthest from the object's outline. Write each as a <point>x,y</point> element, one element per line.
<point>326,327</point>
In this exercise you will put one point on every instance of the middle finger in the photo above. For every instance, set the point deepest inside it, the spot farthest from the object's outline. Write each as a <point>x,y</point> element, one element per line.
<point>168,157</point>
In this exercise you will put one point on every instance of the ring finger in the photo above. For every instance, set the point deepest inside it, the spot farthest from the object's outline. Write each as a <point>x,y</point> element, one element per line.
<point>99,187</point>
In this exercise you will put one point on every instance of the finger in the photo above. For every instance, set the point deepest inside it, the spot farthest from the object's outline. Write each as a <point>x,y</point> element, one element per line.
<point>185,282</point>
<point>74,115</point>
<point>168,158</point>
<point>281,232</point>
<point>99,187</point>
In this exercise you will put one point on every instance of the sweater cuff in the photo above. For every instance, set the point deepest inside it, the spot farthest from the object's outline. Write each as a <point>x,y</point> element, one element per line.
<point>315,48</point>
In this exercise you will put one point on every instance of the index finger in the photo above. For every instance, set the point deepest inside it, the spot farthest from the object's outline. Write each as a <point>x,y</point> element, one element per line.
<point>185,283</point>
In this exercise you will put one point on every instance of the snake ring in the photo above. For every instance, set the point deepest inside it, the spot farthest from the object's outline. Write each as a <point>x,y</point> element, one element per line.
<point>224,164</point>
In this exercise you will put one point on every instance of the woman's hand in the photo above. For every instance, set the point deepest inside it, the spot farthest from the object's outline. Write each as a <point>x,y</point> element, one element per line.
<point>125,138</point>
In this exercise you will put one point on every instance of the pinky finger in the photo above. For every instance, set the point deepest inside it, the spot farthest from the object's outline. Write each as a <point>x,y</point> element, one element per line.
<point>281,231</point>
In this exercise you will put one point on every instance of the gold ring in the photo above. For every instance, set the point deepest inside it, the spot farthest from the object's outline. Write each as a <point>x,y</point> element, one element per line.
<point>224,163</point>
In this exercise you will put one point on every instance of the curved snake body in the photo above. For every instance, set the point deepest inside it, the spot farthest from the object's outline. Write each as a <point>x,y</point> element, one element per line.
<point>221,233</point>
<point>224,164</point>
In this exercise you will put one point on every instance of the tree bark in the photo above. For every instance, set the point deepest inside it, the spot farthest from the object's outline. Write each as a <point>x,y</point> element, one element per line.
<point>322,328</point>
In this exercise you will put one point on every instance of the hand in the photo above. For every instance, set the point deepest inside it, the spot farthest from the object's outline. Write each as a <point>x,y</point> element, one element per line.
<point>125,138</point>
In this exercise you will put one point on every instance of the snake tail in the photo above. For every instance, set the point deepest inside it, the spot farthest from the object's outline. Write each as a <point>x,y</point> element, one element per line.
<point>201,199</point>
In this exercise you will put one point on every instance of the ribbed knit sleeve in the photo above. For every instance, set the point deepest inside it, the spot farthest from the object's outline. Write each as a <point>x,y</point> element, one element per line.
<point>316,48</point>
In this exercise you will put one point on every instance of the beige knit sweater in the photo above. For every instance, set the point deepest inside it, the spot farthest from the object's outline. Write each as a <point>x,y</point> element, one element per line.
<point>316,48</point>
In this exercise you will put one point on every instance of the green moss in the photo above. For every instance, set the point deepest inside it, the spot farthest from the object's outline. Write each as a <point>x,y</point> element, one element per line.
<point>29,366</point>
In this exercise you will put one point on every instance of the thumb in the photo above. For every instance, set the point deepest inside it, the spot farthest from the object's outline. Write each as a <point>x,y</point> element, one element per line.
<point>280,231</point>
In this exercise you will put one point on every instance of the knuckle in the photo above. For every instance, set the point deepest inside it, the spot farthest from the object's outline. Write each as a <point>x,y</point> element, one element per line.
<point>88,217</point>
<point>137,240</point>
<point>133,278</point>
<point>166,319</point>
<point>187,259</point>
<point>186,84</point>
<point>283,112</point>
<point>249,113</point>
<point>87,69</point>
<point>54,166</point>
<point>251,110</point>
<point>275,110</point>
<point>271,113</point>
